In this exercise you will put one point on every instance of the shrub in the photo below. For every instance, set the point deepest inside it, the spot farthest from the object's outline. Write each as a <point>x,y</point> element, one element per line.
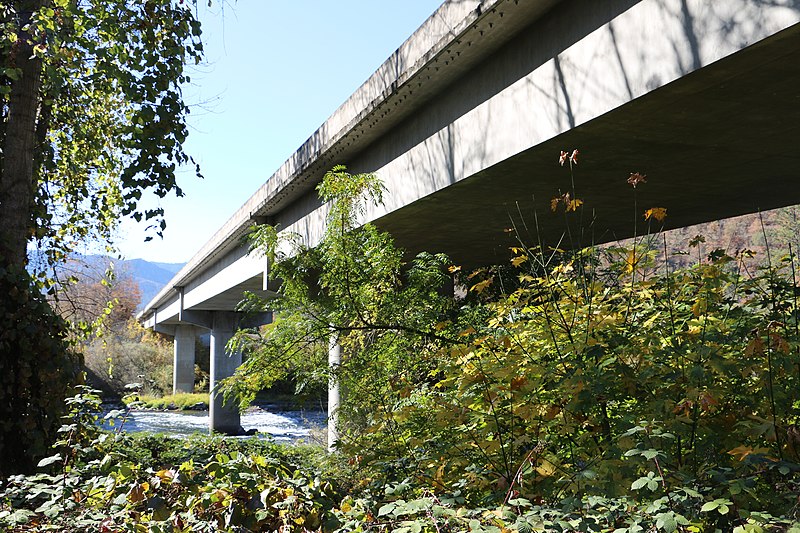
<point>37,369</point>
<point>130,354</point>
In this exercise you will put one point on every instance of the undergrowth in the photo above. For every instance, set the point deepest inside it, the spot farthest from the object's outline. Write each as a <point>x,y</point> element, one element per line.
<point>581,389</point>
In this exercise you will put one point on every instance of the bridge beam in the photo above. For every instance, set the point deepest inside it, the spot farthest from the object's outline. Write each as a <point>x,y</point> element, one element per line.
<point>183,361</point>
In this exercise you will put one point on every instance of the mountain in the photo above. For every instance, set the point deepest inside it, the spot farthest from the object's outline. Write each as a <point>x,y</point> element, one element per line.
<point>149,276</point>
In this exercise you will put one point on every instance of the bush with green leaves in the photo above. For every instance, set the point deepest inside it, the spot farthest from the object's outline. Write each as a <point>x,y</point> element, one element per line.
<point>588,390</point>
<point>38,366</point>
<point>528,387</point>
<point>109,481</point>
<point>129,353</point>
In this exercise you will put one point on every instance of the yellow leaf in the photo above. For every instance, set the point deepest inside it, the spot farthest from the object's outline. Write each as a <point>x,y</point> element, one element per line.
<point>630,261</point>
<point>546,468</point>
<point>573,205</point>
<point>517,261</point>
<point>438,478</point>
<point>699,307</point>
<point>481,285</point>
<point>658,213</point>
<point>741,452</point>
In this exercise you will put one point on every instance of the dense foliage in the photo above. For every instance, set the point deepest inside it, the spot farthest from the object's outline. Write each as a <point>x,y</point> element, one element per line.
<point>593,390</point>
<point>37,370</point>
<point>94,87</point>
<point>101,481</point>
<point>593,373</point>
<point>91,117</point>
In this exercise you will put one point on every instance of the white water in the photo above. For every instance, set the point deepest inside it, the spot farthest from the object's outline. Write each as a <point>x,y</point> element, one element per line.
<point>283,426</point>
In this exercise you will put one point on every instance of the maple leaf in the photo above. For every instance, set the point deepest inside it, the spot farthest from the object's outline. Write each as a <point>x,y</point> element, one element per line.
<point>554,203</point>
<point>517,261</point>
<point>481,285</point>
<point>696,240</point>
<point>573,205</point>
<point>563,158</point>
<point>658,213</point>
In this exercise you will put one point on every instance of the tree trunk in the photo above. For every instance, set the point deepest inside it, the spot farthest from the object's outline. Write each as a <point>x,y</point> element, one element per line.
<point>17,184</point>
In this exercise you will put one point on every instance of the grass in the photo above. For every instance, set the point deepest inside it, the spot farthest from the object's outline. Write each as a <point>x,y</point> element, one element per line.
<point>182,401</point>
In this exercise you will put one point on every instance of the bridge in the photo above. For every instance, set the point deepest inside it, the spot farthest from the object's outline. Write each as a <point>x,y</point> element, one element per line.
<point>465,121</point>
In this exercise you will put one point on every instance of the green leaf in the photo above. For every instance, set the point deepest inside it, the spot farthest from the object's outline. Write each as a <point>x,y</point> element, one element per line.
<point>650,454</point>
<point>49,460</point>
<point>667,522</point>
<point>386,509</point>
<point>709,506</point>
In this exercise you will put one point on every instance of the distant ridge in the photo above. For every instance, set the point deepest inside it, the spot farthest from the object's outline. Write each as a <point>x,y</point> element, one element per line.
<point>149,276</point>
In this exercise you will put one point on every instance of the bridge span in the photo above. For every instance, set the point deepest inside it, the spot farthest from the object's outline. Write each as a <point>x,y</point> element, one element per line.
<point>465,121</point>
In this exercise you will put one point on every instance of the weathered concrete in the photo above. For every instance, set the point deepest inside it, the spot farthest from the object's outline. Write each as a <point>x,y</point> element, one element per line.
<point>223,417</point>
<point>183,363</point>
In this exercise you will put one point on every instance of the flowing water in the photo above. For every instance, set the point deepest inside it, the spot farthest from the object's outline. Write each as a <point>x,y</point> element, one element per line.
<point>283,426</point>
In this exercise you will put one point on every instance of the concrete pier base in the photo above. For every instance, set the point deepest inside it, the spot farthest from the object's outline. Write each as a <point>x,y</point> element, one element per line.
<point>223,418</point>
<point>183,362</point>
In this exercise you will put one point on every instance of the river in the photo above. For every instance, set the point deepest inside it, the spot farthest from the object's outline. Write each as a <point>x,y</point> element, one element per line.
<point>283,426</point>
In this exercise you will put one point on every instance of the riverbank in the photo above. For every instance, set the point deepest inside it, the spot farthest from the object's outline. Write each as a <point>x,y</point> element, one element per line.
<point>173,402</point>
<point>199,402</point>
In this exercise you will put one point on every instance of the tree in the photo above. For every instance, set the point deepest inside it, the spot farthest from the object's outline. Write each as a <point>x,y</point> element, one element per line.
<point>91,116</point>
<point>353,286</point>
<point>96,290</point>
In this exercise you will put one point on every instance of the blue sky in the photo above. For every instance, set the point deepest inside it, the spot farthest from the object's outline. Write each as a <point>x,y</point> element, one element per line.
<point>276,71</point>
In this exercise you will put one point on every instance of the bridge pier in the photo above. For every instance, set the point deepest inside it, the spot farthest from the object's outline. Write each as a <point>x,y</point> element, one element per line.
<point>223,418</point>
<point>183,361</point>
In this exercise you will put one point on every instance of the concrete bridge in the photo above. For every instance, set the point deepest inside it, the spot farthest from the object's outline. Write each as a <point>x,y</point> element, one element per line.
<point>465,121</point>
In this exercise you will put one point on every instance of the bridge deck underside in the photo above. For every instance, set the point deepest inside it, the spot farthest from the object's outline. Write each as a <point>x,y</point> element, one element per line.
<point>719,142</point>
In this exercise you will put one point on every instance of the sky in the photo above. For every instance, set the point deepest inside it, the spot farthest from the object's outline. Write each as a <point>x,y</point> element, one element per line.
<point>274,72</point>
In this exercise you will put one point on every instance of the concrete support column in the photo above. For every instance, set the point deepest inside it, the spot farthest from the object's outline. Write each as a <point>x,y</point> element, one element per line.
<point>334,360</point>
<point>223,418</point>
<point>183,362</point>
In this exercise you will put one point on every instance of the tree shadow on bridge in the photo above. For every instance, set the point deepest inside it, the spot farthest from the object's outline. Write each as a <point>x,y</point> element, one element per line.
<point>563,112</point>
<point>493,130</point>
